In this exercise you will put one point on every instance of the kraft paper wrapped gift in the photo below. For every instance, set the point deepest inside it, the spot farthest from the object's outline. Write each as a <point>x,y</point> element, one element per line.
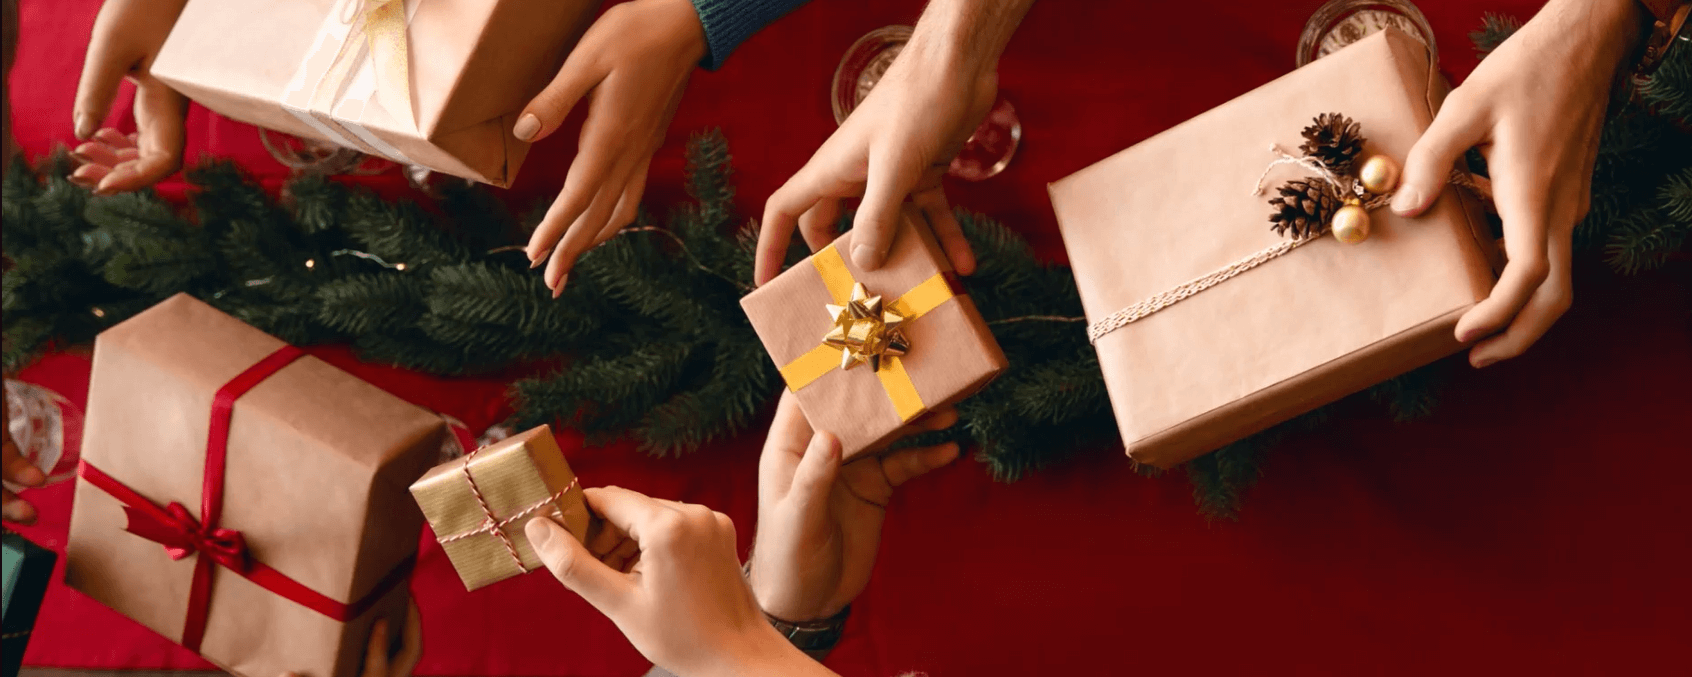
<point>951,354</point>
<point>478,505</point>
<point>25,570</point>
<point>1301,330</point>
<point>275,555</point>
<point>436,83</point>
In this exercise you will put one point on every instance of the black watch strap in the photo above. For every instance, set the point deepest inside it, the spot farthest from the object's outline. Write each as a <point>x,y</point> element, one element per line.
<point>815,638</point>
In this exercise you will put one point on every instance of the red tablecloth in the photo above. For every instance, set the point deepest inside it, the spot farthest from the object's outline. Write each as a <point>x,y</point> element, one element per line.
<point>1536,524</point>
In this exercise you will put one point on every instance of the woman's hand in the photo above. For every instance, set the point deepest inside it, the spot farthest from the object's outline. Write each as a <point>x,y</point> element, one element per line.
<point>127,36</point>
<point>17,470</point>
<point>1535,107</point>
<point>632,65</point>
<point>683,602</point>
<point>819,523</point>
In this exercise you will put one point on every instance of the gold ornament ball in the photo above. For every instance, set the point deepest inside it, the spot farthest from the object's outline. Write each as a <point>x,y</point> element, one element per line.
<point>1379,175</point>
<point>1351,224</point>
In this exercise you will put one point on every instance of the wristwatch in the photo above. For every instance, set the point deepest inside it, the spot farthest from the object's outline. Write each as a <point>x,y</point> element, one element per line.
<point>1670,19</point>
<point>815,638</point>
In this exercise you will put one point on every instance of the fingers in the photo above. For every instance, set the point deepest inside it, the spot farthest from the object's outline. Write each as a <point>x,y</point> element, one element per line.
<point>102,70</point>
<point>891,178</point>
<point>89,175</point>
<point>781,215</point>
<point>1522,205</point>
<point>19,470</point>
<point>159,115</point>
<point>588,172</point>
<point>95,152</point>
<point>15,509</point>
<point>815,475</point>
<point>411,648</point>
<point>628,206</point>
<point>586,229</point>
<point>908,464</point>
<point>376,651</point>
<point>934,207</point>
<point>1454,130</point>
<point>1543,309</point>
<point>548,109</point>
<point>819,225</point>
<point>575,567</point>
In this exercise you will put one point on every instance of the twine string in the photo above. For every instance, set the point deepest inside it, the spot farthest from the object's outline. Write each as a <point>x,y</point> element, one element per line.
<point>495,526</point>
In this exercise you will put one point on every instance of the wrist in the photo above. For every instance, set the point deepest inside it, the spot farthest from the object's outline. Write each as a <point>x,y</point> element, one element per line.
<point>763,651</point>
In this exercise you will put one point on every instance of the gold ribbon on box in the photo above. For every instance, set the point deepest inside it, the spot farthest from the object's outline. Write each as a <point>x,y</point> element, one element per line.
<point>377,28</point>
<point>382,24</point>
<point>824,358</point>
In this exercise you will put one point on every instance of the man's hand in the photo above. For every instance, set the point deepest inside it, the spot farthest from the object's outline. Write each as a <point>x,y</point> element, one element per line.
<point>683,602</point>
<point>899,141</point>
<point>127,36</point>
<point>17,470</point>
<point>1535,106</point>
<point>819,523</point>
<point>632,65</point>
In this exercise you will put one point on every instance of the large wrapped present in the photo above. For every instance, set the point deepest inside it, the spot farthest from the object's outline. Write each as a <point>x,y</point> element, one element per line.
<point>25,570</point>
<point>436,83</point>
<point>867,352</point>
<point>241,498</point>
<point>1209,324</point>
<point>478,505</point>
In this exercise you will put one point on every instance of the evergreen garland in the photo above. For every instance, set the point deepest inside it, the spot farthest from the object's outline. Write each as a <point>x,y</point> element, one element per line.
<point>648,341</point>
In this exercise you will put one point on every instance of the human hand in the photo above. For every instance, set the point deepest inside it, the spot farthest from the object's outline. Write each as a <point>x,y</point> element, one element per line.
<point>819,523</point>
<point>1535,106</point>
<point>18,470</point>
<point>378,662</point>
<point>127,36</point>
<point>898,142</point>
<point>683,602</point>
<point>632,65</point>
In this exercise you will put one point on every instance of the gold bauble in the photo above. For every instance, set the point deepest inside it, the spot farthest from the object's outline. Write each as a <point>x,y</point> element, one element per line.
<point>1351,224</point>
<point>1379,175</point>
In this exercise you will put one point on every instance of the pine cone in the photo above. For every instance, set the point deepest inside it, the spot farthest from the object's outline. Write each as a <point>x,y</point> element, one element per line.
<point>1303,208</point>
<point>1335,139</point>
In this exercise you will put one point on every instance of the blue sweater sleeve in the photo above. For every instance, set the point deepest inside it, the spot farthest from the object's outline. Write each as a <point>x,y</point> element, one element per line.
<point>730,22</point>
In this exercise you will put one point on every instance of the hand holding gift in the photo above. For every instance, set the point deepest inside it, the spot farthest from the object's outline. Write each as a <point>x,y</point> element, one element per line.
<point>632,66</point>
<point>899,141</point>
<point>1535,107</point>
<point>127,36</point>
<point>819,522</point>
<point>683,604</point>
<point>18,470</point>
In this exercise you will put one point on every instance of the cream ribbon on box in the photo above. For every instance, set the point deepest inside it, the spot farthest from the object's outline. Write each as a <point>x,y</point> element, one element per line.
<point>358,62</point>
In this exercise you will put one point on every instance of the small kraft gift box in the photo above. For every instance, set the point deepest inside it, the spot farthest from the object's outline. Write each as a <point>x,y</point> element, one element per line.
<point>478,505</point>
<point>436,83</point>
<point>1216,298</point>
<point>243,499</point>
<point>868,352</point>
<point>25,570</point>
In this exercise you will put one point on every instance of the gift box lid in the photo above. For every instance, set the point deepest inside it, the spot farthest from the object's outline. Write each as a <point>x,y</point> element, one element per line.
<point>1181,204</point>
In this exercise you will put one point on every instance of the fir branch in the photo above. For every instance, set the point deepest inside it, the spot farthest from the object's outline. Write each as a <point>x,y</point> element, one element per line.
<point>1494,30</point>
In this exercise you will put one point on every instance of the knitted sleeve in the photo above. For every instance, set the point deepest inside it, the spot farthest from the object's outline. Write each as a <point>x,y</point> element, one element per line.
<point>730,22</point>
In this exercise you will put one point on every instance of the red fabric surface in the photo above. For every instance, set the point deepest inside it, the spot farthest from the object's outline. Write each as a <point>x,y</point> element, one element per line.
<point>1535,525</point>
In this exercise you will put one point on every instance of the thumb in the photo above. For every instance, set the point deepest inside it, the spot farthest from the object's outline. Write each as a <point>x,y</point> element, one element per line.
<point>814,477</point>
<point>575,567</point>
<point>1427,169</point>
<point>891,178</point>
<point>102,70</point>
<point>548,109</point>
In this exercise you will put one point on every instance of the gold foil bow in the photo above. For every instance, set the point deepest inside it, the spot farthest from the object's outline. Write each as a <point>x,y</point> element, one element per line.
<point>382,24</point>
<point>867,330</point>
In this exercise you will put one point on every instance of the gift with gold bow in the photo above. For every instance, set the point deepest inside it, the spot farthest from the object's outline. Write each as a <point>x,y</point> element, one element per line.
<point>868,352</point>
<point>242,498</point>
<point>433,83</point>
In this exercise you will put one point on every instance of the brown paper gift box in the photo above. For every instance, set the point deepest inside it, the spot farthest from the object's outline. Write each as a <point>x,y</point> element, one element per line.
<point>952,355</point>
<point>317,470</point>
<point>1301,330</point>
<point>479,519</point>
<point>473,65</point>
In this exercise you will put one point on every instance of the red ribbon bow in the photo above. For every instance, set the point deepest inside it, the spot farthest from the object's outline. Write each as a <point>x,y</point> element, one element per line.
<point>182,535</point>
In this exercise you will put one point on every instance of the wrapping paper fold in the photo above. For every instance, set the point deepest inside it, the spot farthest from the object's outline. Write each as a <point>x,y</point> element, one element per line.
<point>479,504</point>
<point>1299,331</point>
<point>952,353</point>
<point>314,475</point>
<point>435,83</point>
<point>25,570</point>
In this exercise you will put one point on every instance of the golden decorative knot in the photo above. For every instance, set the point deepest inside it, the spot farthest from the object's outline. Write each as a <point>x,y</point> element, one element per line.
<point>865,331</point>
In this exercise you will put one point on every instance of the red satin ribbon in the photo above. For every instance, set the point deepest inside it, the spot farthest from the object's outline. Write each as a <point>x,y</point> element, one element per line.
<point>181,535</point>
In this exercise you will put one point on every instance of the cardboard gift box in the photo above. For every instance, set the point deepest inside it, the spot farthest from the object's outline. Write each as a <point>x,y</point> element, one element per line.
<point>25,570</point>
<point>949,353</point>
<point>478,505</point>
<point>242,499</point>
<point>436,83</point>
<point>1300,330</point>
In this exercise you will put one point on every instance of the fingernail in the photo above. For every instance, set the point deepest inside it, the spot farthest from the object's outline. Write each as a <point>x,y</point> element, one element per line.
<point>866,257</point>
<point>19,511</point>
<point>85,125</point>
<point>526,128</point>
<point>1407,200</point>
<point>79,156</point>
<point>558,290</point>
<point>1466,336</point>
<point>539,532</point>
<point>1485,362</point>
<point>30,476</point>
<point>536,262</point>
